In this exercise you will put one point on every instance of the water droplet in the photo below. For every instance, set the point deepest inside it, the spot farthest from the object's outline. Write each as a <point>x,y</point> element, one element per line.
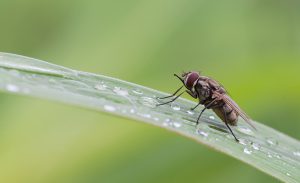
<point>12,88</point>
<point>109,108</point>
<point>296,153</point>
<point>175,107</point>
<point>202,133</point>
<point>255,146</point>
<point>211,117</point>
<point>101,86</point>
<point>137,91</point>
<point>272,141</point>
<point>244,142</point>
<point>145,115</point>
<point>132,111</point>
<point>278,156</point>
<point>120,91</point>
<point>190,112</point>
<point>156,119</point>
<point>245,130</point>
<point>269,155</point>
<point>288,174</point>
<point>247,151</point>
<point>149,102</point>
<point>177,124</point>
<point>167,122</point>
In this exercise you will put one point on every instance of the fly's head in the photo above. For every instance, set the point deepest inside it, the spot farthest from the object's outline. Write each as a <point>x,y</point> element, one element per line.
<point>189,79</point>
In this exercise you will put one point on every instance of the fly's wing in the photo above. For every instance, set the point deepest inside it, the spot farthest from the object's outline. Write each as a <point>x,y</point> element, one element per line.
<point>237,109</point>
<point>216,86</point>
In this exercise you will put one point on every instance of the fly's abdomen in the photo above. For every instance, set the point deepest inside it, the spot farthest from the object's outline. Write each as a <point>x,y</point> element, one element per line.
<point>226,113</point>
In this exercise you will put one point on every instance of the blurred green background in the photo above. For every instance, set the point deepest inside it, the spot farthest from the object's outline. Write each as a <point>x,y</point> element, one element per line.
<point>252,47</point>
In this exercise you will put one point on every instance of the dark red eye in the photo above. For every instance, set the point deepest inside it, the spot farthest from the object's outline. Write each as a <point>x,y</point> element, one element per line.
<point>190,79</point>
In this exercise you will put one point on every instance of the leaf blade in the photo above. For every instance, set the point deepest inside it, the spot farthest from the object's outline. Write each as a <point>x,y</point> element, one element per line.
<point>266,149</point>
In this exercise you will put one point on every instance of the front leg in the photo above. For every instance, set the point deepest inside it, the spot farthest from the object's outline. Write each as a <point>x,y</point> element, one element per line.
<point>193,94</point>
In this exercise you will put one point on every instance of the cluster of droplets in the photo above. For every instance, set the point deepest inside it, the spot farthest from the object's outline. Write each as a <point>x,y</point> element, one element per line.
<point>169,122</point>
<point>101,86</point>
<point>120,91</point>
<point>249,147</point>
<point>148,101</point>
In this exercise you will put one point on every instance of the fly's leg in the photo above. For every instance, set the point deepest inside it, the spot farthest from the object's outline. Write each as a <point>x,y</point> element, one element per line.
<point>196,106</point>
<point>172,94</point>
<point>228,126</point>
<point>194,95</point>
<point>206,107</point>
<point>179,78</point>
<point>170,100</point>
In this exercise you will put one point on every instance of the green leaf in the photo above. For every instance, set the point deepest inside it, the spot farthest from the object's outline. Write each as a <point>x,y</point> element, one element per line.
<point>266,149</point>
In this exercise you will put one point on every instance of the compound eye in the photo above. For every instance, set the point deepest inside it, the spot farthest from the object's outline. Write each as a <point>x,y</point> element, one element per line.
<point>191,78</point>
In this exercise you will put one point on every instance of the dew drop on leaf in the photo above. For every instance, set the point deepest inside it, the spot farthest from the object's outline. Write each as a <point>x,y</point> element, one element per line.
<point>272,141</point>
<point>120,91</point>
<point>190,112</point>
<point>247,151</point>
<point>137,91</point>
<point>211,117</point>
<point>269,155</point>
<point>255,146</point>
<point>148,101</point>
<point>245,130</point>
<point>175,107</point>
<point>296,153</point>
<point>101,86</point>
<point>244,142</point>
<point>202,133</point>
<point>177,124</point>
<point>156,119</point>
<point>12,88</point>
<point>145,115</point>
<point>109,108</point>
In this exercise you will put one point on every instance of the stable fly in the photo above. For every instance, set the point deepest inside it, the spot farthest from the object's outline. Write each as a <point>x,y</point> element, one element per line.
<point>213,96</point>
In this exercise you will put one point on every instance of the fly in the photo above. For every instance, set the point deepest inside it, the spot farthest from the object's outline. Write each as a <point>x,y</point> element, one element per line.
<point>213,96</point>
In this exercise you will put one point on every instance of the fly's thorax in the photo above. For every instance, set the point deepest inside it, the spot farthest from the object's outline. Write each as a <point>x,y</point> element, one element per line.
<point>203,89</point>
